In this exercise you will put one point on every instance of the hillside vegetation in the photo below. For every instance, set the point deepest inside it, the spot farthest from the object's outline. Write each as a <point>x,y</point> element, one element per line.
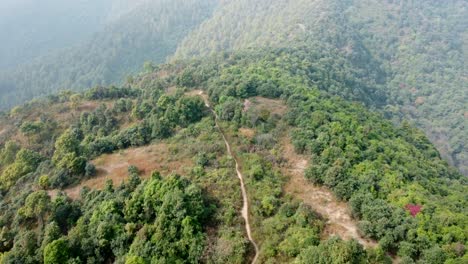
<point>378,168</point>
<point>278,131</point>
<point>413,52</point>
<point>410,55</point>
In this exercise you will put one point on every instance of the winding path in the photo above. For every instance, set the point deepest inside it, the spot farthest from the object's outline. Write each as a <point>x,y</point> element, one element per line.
<point>245,207</point>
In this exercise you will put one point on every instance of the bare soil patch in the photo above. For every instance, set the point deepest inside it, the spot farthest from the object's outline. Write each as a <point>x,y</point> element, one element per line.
<point>156,157</point>
<point>320,199</point>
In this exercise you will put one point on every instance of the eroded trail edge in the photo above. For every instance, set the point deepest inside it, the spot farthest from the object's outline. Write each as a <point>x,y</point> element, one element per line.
<point>245,206</point>
<point>320,199</point>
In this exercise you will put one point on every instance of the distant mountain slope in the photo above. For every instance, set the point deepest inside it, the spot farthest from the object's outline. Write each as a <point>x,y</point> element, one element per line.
<point>30,28</point>
<point>151,31</point>
<point>422,44</point>
<point>318,29</point>
<point>415,51</point>
<point>241,24</point>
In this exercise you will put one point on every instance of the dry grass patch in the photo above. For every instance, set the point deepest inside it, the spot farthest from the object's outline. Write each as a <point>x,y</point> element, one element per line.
<point>171,90</point>
<point>274,106</point>
<point>247,132</point>
<point>156,157</point>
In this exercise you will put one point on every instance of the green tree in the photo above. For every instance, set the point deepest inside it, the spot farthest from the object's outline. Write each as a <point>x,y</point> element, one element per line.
<point>26,161</point>
<point>67,152</point>
<point>44,182</point>
<point>8,153</point>
<point>36,206</point>
<point>135,260</point>
<point>56,252</point>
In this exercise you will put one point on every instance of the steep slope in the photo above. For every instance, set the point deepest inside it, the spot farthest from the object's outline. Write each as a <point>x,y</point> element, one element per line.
<point>242,24</point>
<point>339,218</point>
<point>378,168</point>
<point>150,32</point>
<point>414,50</point>
<point>422,45</point>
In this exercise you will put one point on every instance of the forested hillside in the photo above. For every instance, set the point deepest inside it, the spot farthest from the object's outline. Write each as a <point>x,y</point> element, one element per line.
<point>151,31</point>
<point>31,28</point>
<point>278,131</point>
<point>423,45</point>
<point>412,54</point>
<point>400,191</point>
<point>416,51</point>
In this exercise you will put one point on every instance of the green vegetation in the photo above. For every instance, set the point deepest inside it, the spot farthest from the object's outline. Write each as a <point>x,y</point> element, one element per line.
<point>406,59</point>
<point>380,173</point>
<point>332,92</point>
<point>424,49</point>
<point>359,155</point>
<point>363,158</point>
<point>412,52</point>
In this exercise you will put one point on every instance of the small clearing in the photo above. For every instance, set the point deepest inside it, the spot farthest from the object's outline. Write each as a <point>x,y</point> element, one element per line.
<point>247,132</point>
<point>320,199</point>
<point>274,106</point>
<point>156,157</point>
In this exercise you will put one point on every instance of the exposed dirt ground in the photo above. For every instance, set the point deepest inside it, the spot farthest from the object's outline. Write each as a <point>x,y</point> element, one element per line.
<point>320,199</point>
<point>146,159</point>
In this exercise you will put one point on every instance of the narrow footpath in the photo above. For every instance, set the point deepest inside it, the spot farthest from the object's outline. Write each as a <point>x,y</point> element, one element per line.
<point>245,207</point>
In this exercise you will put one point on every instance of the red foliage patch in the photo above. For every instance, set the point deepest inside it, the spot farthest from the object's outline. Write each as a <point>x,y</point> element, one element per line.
<point>414,209</point>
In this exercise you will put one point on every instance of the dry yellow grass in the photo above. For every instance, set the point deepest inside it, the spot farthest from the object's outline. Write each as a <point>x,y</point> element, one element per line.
<point>247,132</point>
<point>114,166</point>
<point>274,106</point>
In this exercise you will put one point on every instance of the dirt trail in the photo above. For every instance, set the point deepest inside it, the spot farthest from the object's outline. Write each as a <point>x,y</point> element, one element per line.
<point>320,199</point>
<point>245,207</point>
